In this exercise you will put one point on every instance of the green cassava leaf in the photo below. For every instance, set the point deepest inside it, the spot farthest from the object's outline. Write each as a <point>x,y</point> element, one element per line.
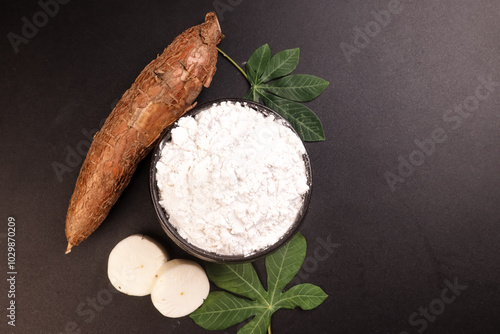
<point>283,265</point>
<point>297,87</point>
<point>239,278</point>
<point>259,324</point>
<point>303,119</point>
<point>306,296</point>
<point>283,93</point>
<point>222,309</point>
<point>252,94</point>
<point>257,63</point>
<point>282,63</point>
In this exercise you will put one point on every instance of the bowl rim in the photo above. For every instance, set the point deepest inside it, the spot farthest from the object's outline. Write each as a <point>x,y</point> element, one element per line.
<point>163,216</point>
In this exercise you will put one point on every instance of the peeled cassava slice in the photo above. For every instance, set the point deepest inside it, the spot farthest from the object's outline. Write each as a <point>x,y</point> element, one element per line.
<point>162,93</point>
<point>133,263</point>
<point>180,287</point>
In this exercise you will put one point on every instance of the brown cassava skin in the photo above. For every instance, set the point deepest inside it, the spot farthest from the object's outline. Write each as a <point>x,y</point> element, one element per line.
<point>163,92</point>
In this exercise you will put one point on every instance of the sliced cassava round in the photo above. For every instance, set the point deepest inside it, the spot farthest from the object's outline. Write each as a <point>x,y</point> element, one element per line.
<point>133,263</point>
<point>180,287</point>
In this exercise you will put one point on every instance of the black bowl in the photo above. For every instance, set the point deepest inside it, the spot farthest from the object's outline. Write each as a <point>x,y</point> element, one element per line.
<point>199,252</point>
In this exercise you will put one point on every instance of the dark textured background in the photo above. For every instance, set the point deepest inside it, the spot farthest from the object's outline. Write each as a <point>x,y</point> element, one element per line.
<point>394,250</point>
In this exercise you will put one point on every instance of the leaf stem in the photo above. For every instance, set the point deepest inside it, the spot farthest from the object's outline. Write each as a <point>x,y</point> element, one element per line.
<point>269,329</point>
<point>234,63</point>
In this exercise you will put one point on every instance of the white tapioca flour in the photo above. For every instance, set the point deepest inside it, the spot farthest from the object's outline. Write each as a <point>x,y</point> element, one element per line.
<point>231,179</point>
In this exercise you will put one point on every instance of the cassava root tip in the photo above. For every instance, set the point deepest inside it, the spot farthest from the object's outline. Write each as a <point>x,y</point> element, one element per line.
<point>68,249</point>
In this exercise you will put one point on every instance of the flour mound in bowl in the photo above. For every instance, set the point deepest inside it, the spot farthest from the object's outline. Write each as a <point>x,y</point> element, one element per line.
<point>232,179</point>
